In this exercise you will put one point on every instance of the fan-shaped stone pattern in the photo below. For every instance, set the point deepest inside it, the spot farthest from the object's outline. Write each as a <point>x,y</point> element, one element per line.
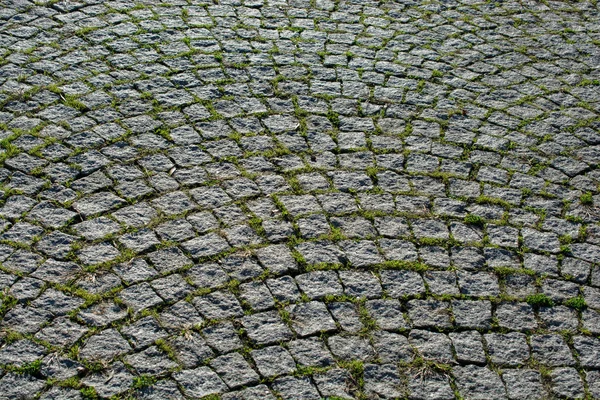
<point>294,199</point>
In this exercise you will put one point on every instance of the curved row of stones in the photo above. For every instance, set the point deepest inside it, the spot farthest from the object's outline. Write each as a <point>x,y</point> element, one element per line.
<point>247,199</point>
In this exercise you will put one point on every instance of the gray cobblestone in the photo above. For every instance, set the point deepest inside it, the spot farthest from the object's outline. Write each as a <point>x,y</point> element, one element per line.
<point>252,199</point>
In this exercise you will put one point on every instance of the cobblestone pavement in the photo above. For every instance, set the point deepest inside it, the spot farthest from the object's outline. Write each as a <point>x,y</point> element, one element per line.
<point>248,199</point>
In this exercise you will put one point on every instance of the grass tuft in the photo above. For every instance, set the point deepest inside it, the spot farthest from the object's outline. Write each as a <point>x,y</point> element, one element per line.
<point>586,199</point>
<point>577,303</point>
<point>539,300</point>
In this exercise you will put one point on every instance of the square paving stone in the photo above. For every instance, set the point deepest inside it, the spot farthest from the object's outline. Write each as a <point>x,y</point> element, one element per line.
<point>98,253</point>
<point>318,284</point>
<point>98,203</point>
<point>336,383</point>
<point>566,382</point>
<point>273,361</point>
<point>349,348</point>
<point>558,318</point>
<point>472,313</point>
<point>218,305</point>
<point>58,303</point>
<point>104,346</point>
<point>588,350</point>
<point>51,216</point>
<point>139,241</point>
<point>177,230</point>
<point>509,349</point>
<point>292,387</point>
<point>135,216</point>
<point>468,347</point>
<point>310,352</point>
<point>62,332</point>
<point>205,246</point>
<point>284,289</point>
<point>516,316</point>
<point>190,349</point>
<point>383,381</point>
<point>435,256</point>
<point>429,313</point>
<point>266,328</point>
<point>388,314</point>
<point>234,370</point>
<point>276,258</point>
<point>441,282</point>
<point>222,336</point>
<point>140,297</point>
<point>23,233</point>
<point>151,361</point>
<point>171,288</point>
<point>56,271</point>
<point>401,283</point>
<point>523,384</point>
<point>174,203</point>
<point>478,382</point>
<point>431,386</point>
<point>310,318</point>
<point>164,389</point>
<point>361,254</point>
<point>60,368</point>
<point>346,315</point>
<point>257,295</point>
<point>102,314</point>
<point>392,347</point>
<point>320,252</point>
<point>56,245</point>
<point>143,332</point>
<point>199,382</point>
<point>135,271</point>
<point>432,345</point>
<point>209,275</point>
<point>551,350</point>
<point>97,228</point>
<point>169,259</point>
<point>21,352</point>
<point>28,257</point>
<point>593,379</point>
<point>255,392</point>
<point>14,386</point>
<point>478,284</point>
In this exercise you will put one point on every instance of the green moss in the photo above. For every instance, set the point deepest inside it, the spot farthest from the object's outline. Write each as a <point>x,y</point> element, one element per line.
<point>586,198</point>
<point>432,242</point>
<point>166,348</point>
<point>89,393</point>
<point>334,118</point>
<point>505,271</point>
<point>408,265</point>
<point>212,397</point>
<point>303,370</point>
<point>143,381</point>
<point>73,102</point>
<point>473,219</point>
<point>577,303</point>
<point>30,368</point>
<point>369,324</point>
<point>539,300</point>
<point>356,369</point>
<point>84,31</point>
<point>285,315</point>
<point>492,200</point>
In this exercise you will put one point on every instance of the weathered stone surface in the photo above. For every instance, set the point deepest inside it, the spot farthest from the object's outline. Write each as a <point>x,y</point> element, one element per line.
<point>296,199</point>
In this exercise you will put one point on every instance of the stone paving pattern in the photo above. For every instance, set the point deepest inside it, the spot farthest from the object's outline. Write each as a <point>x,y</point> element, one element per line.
<point>248,199</point>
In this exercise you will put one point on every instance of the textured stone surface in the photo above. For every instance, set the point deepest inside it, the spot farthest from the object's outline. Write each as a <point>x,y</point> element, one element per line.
<point>260,199</point>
